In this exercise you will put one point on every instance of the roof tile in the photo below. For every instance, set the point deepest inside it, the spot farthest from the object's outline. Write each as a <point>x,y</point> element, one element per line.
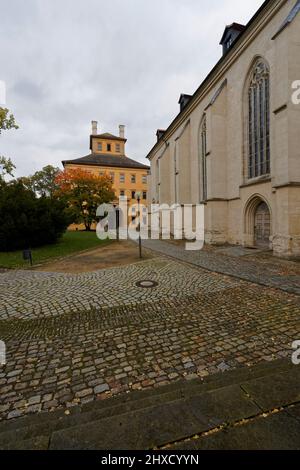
<point>101,159</point>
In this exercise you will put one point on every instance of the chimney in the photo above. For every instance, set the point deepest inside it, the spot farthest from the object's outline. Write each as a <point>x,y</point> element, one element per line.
<point>94,127</point>
<point>122,131</point>
<point>230,35</point>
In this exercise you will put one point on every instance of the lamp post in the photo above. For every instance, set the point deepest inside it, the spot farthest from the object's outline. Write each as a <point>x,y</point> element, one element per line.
<point>117,220</point>
<point>138,198</point>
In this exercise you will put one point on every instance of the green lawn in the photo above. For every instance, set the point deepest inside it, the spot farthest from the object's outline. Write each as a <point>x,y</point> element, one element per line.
<point>71,242</point>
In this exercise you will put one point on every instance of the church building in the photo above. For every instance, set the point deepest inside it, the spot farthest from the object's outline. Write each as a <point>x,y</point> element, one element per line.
<point>235,144</point>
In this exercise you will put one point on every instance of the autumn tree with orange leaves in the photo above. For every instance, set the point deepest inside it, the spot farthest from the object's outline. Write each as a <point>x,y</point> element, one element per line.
<point>84,192</point>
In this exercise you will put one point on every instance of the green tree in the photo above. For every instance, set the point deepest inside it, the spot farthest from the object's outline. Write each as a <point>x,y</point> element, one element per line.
<point>27,182</point>
<point>6,167</point>
<point>7,122</point>
<point>28,220</point>
<point>44,181</point>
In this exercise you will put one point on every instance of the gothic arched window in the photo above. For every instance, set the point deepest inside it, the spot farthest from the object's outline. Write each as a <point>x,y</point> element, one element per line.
<point>259,121</point>
<point>203,141</point>
<point>176,174</point>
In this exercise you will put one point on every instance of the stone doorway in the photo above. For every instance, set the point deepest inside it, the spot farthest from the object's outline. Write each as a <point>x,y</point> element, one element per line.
<point>258,223</point>
<point>262,225</point>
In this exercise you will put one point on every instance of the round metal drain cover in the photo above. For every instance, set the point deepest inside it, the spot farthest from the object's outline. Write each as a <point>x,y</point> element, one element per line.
<point>147,284</point>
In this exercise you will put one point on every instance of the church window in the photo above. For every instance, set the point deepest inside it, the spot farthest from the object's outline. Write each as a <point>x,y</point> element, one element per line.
<point>204,159</point>
<point>259,121</point>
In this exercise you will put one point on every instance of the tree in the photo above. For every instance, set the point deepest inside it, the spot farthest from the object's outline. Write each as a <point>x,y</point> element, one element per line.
<point>44,181</point>
<point>84,192</point>
<point>27,182</point>
<point>29,221</point>
<point>6,167</point>
<point>7,121</point>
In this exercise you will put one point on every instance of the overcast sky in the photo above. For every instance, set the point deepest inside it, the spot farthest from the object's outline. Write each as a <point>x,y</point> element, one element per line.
<point>67,62</point>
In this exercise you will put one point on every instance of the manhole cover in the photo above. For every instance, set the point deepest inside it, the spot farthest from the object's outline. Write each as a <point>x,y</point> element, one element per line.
<point>147,284</point>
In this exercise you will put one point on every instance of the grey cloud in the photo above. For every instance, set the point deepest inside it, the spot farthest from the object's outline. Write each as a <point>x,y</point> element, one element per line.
<point>123,61</point>
<point>29,90</point>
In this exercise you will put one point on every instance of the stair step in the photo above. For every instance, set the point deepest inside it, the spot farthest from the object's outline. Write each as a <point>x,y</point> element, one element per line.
<point>62,421</point>
<point>159,425</point>
<point>36,443</point>
<point>44,424</point>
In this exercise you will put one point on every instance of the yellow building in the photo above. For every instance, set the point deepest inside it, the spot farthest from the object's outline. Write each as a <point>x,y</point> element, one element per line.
<point>108,157</point>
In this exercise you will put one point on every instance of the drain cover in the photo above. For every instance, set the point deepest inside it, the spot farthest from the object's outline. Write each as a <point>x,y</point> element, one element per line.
<point>147,284</point>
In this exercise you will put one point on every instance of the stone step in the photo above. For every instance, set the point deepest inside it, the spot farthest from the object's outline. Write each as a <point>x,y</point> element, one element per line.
<point>279,431</point>
<point>172,391</point>
<point>199,412</point>
<point>137,407</point>
<point>158,425</point>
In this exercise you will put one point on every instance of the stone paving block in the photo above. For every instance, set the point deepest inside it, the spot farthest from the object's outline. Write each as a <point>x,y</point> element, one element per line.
<point>84,437</point>
<point>165,423</point>
<point>193,325</point>
<point>221,406</point>
<point>294,411</point>
<point>255,269</point>
<point>275,390</point>
<point>37,443</point>
<point>130,431</point>
<point>276,432</point>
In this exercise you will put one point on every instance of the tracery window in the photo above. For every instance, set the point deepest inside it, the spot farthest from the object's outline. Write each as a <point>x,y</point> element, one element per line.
<point>259,121</point>
<point>204,159</point>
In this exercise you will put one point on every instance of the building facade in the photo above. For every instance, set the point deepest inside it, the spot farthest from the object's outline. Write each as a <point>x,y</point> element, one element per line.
<point>235,145</point>
<point>108,157</point>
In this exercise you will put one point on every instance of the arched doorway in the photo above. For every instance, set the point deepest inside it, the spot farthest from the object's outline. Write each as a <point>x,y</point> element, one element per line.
<point>262,225</point>
<point>258,222</point>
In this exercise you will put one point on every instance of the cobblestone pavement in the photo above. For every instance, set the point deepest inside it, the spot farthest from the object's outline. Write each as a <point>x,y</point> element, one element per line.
<point>261,269</point>
<point>30,294</point>
<point>73,339</point>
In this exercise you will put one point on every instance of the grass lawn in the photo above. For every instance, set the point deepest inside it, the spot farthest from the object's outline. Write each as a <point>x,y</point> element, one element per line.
<point>71,242</point>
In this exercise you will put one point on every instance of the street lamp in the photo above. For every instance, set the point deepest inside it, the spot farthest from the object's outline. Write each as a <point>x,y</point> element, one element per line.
<point>138,197</point>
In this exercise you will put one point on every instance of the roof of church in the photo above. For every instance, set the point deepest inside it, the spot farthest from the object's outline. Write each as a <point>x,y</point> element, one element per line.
<point>101,159</point>
<point>293,13</point>
<point>107,135</point>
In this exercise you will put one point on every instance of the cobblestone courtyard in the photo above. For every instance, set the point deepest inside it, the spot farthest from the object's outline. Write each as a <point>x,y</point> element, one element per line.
<point>72,339</point>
